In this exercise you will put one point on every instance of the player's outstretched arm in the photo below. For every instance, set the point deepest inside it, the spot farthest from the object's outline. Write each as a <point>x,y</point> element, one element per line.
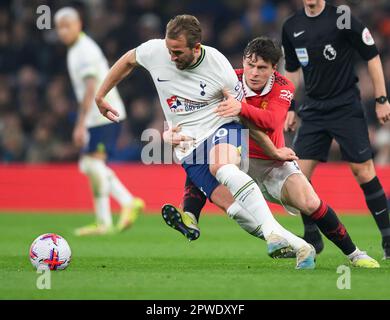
<point>123,67</point>
<point>266,144</point>
<point>378,80</point>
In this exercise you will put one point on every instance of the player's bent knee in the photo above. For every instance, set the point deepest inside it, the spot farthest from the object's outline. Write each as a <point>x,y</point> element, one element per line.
<point>299,193</point>
<point>363,172</point>
<point>310,204</point>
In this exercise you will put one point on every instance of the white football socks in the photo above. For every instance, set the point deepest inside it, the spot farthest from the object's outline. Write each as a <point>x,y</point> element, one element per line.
<point>104,183</point>
<point>248,195</point>
<point>245,219</point>
<point>103,211</point>
<point>117,190</point>
<point>95,169</point>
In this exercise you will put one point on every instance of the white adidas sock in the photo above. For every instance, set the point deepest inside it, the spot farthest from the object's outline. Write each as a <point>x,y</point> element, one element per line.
<point>95,169</point>
<point>251,225</point>
<point>247,193</point>
<point>244,219</point>
<point>103,211</point>
<point>117,190</point>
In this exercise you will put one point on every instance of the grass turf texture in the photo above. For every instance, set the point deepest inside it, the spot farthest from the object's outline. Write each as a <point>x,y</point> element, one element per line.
<point>153,261</point>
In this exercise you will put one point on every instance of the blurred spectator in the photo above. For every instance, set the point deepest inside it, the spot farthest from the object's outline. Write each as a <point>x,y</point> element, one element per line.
<point>37,105</point>
<point>13,142</point>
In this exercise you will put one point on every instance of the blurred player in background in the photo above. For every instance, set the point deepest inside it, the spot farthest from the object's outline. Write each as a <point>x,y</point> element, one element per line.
<point>190,79</point>
<point>93,133</point>
<point>268,96</point>
<point>316,42</point>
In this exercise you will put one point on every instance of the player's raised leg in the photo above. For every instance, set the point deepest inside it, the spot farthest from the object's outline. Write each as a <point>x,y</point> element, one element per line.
<point>183,221</point>
<point>186,220</point>
<point>224,158</point>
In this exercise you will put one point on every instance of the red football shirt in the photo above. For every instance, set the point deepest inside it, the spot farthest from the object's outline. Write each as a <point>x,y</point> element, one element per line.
<point>267,109</point>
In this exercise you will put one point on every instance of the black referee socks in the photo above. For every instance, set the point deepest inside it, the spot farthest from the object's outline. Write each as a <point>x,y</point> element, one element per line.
<point>377,203</point>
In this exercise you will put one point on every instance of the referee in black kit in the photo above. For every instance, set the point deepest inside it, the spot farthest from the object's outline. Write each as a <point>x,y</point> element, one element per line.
<point>321,42</point>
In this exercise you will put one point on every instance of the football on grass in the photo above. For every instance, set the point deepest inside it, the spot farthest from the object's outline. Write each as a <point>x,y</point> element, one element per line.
<point>50,251</point>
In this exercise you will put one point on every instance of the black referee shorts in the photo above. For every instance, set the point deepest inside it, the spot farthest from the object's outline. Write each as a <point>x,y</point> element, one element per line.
<point>346,124</point>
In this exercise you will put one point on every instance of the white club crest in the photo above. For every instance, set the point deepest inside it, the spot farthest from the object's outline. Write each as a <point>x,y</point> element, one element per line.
<point>329,52</point>
<point>367,37</point>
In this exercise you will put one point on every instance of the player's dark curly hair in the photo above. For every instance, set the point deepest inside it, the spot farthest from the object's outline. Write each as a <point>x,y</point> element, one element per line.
<point>264,48</point>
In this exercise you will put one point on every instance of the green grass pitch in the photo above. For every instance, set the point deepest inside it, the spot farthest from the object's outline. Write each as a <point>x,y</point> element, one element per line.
<point>153,261</point>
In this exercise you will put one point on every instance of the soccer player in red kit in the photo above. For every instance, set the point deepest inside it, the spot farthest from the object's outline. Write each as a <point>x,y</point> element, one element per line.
<point>268,98</point>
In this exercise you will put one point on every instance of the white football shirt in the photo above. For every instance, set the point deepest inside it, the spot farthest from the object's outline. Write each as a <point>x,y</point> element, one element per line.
<point>189,97</point>
<point>86,59</point>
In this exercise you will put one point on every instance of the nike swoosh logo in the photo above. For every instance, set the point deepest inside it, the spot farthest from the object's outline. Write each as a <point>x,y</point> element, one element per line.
<point>297,34</point>
<point>378,213</point>
<point>364,150</point>
<point>162,80</point>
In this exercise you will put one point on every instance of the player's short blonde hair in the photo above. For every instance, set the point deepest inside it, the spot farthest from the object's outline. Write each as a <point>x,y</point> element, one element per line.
<point>186,25</point>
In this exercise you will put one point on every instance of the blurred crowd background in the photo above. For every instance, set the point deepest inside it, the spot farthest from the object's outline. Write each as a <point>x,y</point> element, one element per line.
<point>37,104</point>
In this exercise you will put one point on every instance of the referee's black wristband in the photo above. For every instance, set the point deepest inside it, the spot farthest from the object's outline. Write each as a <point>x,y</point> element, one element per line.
<point>292,105</point>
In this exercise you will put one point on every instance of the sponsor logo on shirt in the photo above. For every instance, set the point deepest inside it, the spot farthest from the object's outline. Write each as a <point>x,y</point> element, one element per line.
<point>162,80</point>
<point>297,34</point>
<point>179,105</point>
<point>286,95</point>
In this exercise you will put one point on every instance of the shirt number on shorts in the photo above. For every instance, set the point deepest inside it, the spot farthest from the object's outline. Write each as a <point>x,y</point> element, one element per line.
<point>220,134</point>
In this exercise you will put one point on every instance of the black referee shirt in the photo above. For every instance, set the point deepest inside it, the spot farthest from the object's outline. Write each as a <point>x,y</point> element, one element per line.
<point>324,51</point>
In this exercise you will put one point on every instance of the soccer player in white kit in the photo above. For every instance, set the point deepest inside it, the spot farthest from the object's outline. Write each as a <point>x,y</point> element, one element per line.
<point>190,79</point>
<point>93,133</point>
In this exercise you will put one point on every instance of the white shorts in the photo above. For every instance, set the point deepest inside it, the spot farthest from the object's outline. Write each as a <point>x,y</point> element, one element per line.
<point>270,176</point>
